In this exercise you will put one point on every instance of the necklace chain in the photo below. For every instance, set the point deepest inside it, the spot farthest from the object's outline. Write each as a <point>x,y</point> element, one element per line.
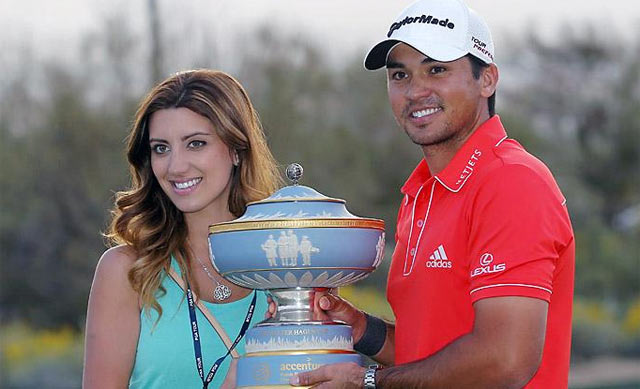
<point>220,292</point>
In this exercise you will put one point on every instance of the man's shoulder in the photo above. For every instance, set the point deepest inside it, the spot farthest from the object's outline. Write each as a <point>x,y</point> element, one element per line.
<point>515,167</point>
<point>511,155</point>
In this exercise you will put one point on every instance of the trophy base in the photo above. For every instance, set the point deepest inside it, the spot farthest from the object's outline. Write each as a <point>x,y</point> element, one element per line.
<point>277,352</point>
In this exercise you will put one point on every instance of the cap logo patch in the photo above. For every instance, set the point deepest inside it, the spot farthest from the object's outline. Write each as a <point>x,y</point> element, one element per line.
<point>420,19</point>
<point>481,47</point>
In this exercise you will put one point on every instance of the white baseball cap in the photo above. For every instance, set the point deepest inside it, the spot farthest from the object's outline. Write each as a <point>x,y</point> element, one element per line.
<point>443,30</point>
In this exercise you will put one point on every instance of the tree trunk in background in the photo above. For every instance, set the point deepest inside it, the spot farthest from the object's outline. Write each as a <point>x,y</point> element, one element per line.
<point>156,46</point>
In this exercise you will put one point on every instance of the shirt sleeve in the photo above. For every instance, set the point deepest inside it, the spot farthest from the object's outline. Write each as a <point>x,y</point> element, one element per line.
<point>519,226</point>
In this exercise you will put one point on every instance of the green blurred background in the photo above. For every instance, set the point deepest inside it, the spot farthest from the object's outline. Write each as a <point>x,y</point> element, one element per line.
<point>572,97</point>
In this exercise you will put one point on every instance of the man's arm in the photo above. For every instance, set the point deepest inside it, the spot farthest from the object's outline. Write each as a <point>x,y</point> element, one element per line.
<point>386,355</point>
<point>503,350</point>
<point>330,307</point>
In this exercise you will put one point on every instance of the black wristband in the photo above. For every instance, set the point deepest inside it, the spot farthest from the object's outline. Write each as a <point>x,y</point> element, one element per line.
<point>373,338</point>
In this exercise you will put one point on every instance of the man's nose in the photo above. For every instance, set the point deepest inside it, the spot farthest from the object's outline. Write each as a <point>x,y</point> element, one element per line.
<point>418,88</point>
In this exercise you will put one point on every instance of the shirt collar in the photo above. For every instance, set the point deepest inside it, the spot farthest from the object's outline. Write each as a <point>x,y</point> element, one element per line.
<point>471,157</point>
<point>420,175</point>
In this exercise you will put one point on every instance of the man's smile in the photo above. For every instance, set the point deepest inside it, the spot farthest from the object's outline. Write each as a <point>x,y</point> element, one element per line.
<point>425,112</point>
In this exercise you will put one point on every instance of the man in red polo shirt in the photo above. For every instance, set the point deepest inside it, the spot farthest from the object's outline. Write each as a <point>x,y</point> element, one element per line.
<point>481,280</point>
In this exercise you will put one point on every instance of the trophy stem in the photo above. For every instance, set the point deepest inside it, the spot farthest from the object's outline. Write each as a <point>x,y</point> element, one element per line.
<point>294,306</point>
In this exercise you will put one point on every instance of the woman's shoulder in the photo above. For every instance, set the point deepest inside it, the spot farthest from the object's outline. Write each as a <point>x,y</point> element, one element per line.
<point>121,254</point>
<point>111,292</point>
<point>115,263</point>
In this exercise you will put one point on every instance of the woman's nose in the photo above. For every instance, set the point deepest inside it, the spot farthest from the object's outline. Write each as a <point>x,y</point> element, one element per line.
<point>178,163</point>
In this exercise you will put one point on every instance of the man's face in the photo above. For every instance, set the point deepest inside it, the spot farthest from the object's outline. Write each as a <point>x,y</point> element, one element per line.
<point>436,103</point>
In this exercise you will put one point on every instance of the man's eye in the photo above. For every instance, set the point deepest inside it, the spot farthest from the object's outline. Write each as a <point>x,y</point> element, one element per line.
<point>194,144</point>
<point>159,149</point>
<point>398,75</point>
<point>437,69</point>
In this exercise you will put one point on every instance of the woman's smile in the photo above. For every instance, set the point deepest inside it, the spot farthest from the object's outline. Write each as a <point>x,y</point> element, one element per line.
<point>185,187</point>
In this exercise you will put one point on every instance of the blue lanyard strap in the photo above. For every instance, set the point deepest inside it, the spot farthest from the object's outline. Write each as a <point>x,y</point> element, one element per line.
<point>196,338</point>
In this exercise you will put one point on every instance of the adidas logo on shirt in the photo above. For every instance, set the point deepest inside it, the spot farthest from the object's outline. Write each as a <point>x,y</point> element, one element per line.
<point>439,259</point>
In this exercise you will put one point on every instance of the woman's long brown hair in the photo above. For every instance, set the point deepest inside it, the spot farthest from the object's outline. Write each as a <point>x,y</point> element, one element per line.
<point>143,216</point>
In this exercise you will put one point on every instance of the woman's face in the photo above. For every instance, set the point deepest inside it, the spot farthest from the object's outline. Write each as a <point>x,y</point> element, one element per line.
<point>191,163</point>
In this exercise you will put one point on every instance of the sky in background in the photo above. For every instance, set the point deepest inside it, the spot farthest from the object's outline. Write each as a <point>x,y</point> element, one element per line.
<point>54,27</point>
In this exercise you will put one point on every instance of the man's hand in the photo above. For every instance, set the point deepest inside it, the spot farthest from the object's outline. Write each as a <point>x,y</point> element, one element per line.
<point>272,309</point>
<point>327,306</point>
<point>339,375</point>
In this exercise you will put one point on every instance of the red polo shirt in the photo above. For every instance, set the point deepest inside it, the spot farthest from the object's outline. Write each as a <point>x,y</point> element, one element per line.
<point>492,223</point>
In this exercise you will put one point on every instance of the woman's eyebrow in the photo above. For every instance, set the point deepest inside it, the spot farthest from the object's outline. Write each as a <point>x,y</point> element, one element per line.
<point>197,133</point>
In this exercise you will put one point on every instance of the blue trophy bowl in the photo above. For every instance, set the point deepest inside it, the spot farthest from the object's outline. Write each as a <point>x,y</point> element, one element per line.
<point>297,238</point>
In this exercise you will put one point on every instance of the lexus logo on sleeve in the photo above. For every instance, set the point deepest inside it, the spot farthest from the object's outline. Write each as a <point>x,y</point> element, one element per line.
<point>486,266</point>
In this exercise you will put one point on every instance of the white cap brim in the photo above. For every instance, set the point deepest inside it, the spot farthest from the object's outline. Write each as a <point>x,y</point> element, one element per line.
<point>377,56</point>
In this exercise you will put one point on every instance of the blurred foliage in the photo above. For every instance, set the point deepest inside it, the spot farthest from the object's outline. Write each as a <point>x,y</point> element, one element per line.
<point>573,102</point>
<point>607,264</point>
<point>600,329</point>
<point>33,358</point>
<point>595,330</point>
<point>580,96</point>
<point>631,322</point>
<point>57,179</point>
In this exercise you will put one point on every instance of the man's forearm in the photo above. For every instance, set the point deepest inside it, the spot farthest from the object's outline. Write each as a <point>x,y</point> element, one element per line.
<point>463,363</point>
<point>504,350</point>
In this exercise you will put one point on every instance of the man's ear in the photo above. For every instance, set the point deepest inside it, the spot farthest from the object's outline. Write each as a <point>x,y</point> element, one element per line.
<point>489,78</point>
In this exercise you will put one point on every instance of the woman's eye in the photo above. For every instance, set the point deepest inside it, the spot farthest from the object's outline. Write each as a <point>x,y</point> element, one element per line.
<point>194,144</point>
<point>159,148</point>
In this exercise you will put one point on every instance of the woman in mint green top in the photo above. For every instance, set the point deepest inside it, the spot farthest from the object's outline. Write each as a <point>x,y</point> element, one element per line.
<point>160,359</point>
<point>197,156</point>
